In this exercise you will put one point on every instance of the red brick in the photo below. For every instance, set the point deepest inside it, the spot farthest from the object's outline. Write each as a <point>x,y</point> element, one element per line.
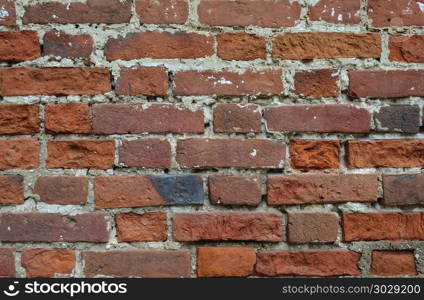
<point>393,263</point>
<point>148,81</point>
<point>235,190</point>
<point>263,13</point>
<point>383,13</point>
<point>159,45</point>
<point>388,153</point>
<point>67,118</point>
<point>225,153</point>
<point>312,227</point>
<point>235,118</point>
<point>19,154</point>
<point>404,189</point>
<point>241,46</point>
<point>148,227</point>
<point>137,263</point>
<point>58,43</point>
<point>318,118</point>
<point>225,261</point>
<point>162,12</point>
<point>308,263</point>
<point>90,11</point>
<point>8,13</point>
<point>19,119</point>
<point>301,46</point>
<point>315,154</point>
<point>226,83</point>
<point>383,226</point>
<point>47,262</point>
<point>11,189</point>
<point>146,153</point>
<point>406,48</point>
<point>62,190</point>
<point>386,84</point>
<point>317,83</point>
<point>231,226</point>
<point>322,188</point>
<point>155,118</point>
<point>336,11</point>
<point>7,262</point>
<point>54,81</point>
<point>81,154</point>
<point>16,46</point>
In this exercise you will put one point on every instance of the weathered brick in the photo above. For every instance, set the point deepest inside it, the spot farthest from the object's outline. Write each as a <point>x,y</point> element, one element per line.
<point>67,118</point>
<point>235,190</point>
<point>225,261</point>
<point>137,263</point>
<point>146,153</point>
<point>318,118</point>
<point>383,226</point>
<point>312,227</point>
<point>156,118</point>
<point>322,188</point>
<point>138,191</point>
<point>263,13</point>
<point>11,189</point>
<point>59,43</point>
<point>51,227</point>
<point>16,46</point>
<point>388,153</point>
<point>300,46</point>
<point>336,11</point>
<point>315,154</point>
<point>7,262</point>
<point>393,263</point>
<point>241,46</point>
<point>62,190</point>
<point>81,154</point>
<point>406,48</point>
<point>224,153</point>
<point>148,227</point>
<point>7,13</point>
<point>226,83</point>
<point>235,118</point>
<point>90,11</point>
<point>308,263</point>
<point>54,81</point>
<point>398,118</point>
<point>162,12</point>
<point>384,13</point>
<point>405,189</point>
<point>19,119</point>
<point>231,226</point>
<point>159,45</point>
<point>317,83</point>
<point>148,81</point>
<point>47,262</point>
<point>19,154</point>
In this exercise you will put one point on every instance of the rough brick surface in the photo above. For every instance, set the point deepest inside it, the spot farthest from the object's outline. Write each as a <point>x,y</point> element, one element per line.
<point>315,154</point>
<point>19,154</point>
<point>149,81</point>
<point>383,13</point>
<point>8,13</point>
<point>7,261</point>
<point>62,190</point>
<point>162,12</point>
<point>403,189</point>
<point>19,119</point>
<point>233,118</point>
<point>47,262</point>
<point>58,43</point>
<point>148,227</point>
<point>147,153</point>
<point>18,46</point>
<point>67,118</point>
<point>11,189</point>
<point>406,48</point>
<point>336,11</point>
<point>398,118</point>
<point>234,190</point>
<point>241,46</point>
<point>393,263</point>
<point>312,227</point>
<point>317,83</point>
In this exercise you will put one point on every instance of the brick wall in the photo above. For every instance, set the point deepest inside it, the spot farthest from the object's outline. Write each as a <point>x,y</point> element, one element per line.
<point>180,138</point>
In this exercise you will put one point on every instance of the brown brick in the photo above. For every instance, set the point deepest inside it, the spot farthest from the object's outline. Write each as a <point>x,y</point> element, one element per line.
<point>225,153</point>
<point>234,190</point>
<point>336,11</point>
<point>148,227</point>
<point>159,45</point>
<point>16,46</point>
<point>321,188</point>
<point>406,48</point>
<point>231,226</point>
<point>315,154</point>
<point>19,119</point>
<point>383,226</point>
<point>7,262</point>
<point>67,118</point>
<point>383,13</point>
<point>81,154</point>
<point>62,190</point>
<point>235,118</point>
<point>388,153</point>
<point>11,189</point>
<point>308,263</point>
<point>90,11</point>
<point>241,46</point>
<point>405,189</point>
<point>137,263</point>
<point>398,118</point>
<point>58,43</point>
<point>8,13</point>
<point>225,261</point>
<point>162,12</point>
<point>47,262</point>
<point>317,83</point>
<point>226,83</point>
<point>50,227</point>
<point>146,153</point>
<point>393,263</point>
<point>263,13</point>
<point>54,81</point>
<point>312,227</point>
<point>148,81</point>
<point>156,118</point>
<point>19,154</point>
<point>318,118</point>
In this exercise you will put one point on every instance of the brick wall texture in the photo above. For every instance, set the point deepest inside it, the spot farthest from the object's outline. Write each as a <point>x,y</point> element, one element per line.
<point>211,138</point>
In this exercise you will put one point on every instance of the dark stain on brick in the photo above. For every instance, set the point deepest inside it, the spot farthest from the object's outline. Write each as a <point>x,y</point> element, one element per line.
<point>179,189</point>
<point>398,118</point>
